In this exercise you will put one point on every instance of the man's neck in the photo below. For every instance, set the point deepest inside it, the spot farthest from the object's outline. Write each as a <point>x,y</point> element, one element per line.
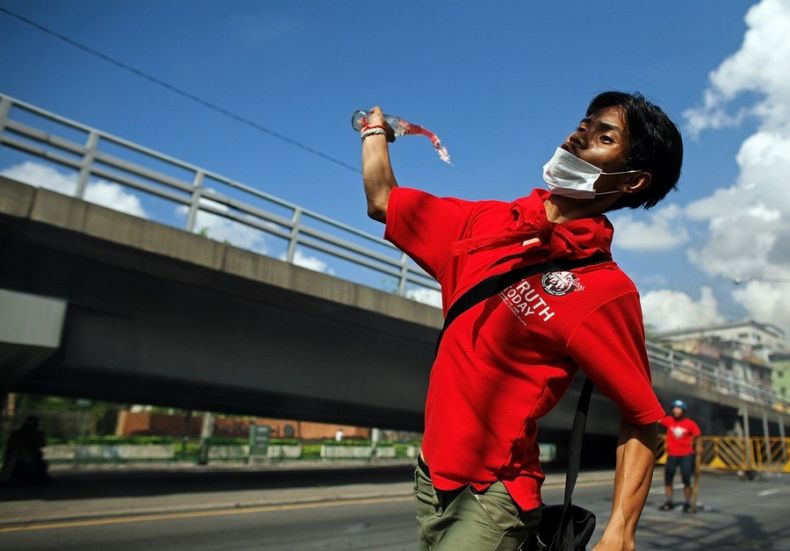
<point>564,209</point>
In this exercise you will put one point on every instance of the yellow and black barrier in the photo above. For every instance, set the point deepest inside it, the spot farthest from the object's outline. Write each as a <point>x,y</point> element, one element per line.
<point>737,453</point>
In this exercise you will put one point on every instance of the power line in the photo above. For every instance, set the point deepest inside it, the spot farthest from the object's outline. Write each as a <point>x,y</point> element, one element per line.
<point>180,91</point>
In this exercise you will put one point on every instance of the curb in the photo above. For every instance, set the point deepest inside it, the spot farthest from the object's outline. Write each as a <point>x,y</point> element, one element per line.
<point>552,482</point>
<point>106,515</point>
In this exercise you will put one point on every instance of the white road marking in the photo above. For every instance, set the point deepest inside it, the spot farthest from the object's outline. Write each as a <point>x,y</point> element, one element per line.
<point>768,492</point>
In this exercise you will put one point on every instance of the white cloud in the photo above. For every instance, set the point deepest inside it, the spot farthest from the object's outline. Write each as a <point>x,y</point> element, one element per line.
<point>663,229</point>
<point>747,222</point>
<point>112,195</point>
<point>765,300</point>
<point>223,229</point>
<point>666,310</point>
<point>425,295</point>
<point>311,263</point>
<point>240,235</point>
<point>101,192</point>
<point>760,65</point>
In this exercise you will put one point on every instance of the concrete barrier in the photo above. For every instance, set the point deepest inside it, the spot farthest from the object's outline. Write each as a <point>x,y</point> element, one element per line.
<point>329,451</point>
<point>346,452</point>
<point>386,452</point>
<point>278,451</point>
<point>228,452</point>
<point>110,452</point>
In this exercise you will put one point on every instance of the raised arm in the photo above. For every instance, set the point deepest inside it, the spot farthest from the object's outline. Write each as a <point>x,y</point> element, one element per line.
<point>377,169</point>
<point>634,472</point>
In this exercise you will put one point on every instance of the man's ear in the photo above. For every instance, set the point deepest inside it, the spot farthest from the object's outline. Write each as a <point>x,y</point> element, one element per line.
<point>636,183</point>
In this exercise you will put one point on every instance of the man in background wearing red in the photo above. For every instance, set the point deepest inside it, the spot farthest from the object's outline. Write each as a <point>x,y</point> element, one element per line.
<point>682,433</point>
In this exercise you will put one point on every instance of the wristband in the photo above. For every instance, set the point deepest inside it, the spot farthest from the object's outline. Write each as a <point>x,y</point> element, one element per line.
<point>373,132</point>
<point>371,127</point>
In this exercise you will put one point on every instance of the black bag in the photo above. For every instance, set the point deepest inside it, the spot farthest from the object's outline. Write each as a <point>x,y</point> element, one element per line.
<point>565,527</point>
<point>568,527</point>
<point>578,532</point>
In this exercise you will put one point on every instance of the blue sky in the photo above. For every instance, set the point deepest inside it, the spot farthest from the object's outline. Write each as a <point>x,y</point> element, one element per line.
<point>501,83</point>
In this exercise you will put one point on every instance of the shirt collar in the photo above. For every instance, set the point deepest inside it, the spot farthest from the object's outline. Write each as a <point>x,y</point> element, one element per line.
<point>578,238</point>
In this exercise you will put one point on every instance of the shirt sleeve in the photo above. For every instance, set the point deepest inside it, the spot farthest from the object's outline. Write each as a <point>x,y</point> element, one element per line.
<point>695,429</point>
<point>665,421</point>
<point>608,345</point>
<point>423,226</point>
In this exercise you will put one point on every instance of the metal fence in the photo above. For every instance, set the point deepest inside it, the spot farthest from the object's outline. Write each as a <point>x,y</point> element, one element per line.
<point>95,154</point>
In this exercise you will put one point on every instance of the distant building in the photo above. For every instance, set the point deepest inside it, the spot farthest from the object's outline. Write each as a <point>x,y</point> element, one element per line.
<point>780,361</point>
<point>141,420</point>
<point>745,351</point>
<point>750,337</point>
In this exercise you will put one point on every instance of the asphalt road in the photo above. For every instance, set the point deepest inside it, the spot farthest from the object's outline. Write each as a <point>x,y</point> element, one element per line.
<point>735,515</point>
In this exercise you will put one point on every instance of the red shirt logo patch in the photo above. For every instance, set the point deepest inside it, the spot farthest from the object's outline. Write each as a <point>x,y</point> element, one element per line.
<point>560,283</point>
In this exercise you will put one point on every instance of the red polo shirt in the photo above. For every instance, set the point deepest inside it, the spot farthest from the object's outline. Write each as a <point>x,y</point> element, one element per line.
<point>680,434</point>
<point>506,362</point>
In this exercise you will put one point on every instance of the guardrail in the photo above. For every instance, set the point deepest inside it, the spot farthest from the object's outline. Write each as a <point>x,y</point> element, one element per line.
<point>698,371</point>
<point>203,194</point>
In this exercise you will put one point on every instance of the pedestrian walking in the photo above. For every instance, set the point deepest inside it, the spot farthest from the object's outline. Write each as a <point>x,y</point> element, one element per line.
<point>682,434</point>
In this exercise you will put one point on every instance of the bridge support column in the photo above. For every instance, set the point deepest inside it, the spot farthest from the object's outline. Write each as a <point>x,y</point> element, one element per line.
<point>30,332</point>
<point>3,434</point>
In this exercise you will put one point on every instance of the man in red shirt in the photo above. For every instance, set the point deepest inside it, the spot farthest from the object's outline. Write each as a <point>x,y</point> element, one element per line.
<point>506,361</point>
<point>682,434</point>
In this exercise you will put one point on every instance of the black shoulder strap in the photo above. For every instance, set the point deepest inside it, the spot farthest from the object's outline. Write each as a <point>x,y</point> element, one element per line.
<point>575,442</point>
<point>498,283</point>
<point>565,536</point>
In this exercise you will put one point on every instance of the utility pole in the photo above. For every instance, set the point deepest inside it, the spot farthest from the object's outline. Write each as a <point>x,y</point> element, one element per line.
<point>766,438</point>
<point>747,440</point>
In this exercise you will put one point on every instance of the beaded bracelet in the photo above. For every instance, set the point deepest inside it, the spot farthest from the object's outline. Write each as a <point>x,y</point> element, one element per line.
<point>372,126</point>
<point>373,132</point>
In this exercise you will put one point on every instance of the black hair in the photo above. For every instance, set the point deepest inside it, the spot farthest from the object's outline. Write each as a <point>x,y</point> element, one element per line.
<point>655,146</point>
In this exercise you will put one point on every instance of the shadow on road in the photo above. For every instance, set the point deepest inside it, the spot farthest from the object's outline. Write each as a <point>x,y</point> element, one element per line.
<point>712,529</point>
<point>149,482</point>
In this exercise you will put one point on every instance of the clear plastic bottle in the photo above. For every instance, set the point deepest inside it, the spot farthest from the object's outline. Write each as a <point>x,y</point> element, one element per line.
<point>401,127</point>
<point>398,125</point>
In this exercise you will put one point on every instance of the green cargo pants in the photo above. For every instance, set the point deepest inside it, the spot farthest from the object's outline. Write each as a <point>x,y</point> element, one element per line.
<point>465,520</point>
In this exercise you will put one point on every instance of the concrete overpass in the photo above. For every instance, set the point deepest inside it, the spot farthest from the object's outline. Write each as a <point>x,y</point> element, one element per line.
<point>98,304</point>
<point>116,307</point>
<point>160,315</point>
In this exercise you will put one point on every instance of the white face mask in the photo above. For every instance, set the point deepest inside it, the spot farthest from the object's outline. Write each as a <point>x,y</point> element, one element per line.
<point>569,176</point>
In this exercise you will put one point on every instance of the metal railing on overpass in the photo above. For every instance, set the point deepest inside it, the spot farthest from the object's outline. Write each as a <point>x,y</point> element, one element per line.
<point>200,193</point>
<point>700,372</point>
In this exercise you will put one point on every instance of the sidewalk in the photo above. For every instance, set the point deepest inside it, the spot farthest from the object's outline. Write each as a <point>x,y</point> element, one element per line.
<point>104,492</point>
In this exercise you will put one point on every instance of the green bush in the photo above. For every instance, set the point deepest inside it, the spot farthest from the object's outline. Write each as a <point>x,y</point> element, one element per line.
<point>354,442</point>
<point>311,451</point>
<point>284,442</point>
<point>227,441</point>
